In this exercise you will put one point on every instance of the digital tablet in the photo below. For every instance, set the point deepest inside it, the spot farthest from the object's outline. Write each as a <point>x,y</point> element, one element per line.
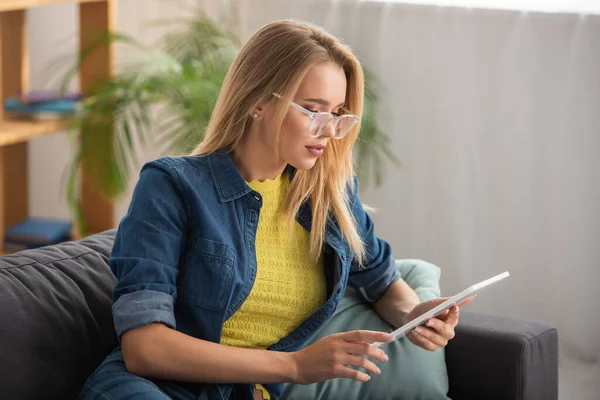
<point>454,300</point>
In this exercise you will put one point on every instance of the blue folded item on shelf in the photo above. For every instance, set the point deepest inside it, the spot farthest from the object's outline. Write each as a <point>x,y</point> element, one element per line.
<point>60,107</point>
<point>34,232</point>
<point>46,96</point>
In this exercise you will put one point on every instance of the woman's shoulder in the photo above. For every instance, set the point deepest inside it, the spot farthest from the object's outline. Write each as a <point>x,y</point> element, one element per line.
<point>180,164</point>
<point>186,173</point>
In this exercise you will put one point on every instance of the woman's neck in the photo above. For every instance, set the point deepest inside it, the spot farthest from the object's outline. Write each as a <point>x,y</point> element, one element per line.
<point>256,161</point>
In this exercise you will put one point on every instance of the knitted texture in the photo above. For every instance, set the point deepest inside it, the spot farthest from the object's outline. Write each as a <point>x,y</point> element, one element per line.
<point>289,285</point>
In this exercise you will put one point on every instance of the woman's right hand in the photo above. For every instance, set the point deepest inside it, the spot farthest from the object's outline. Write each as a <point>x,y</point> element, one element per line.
<point>330,357</point>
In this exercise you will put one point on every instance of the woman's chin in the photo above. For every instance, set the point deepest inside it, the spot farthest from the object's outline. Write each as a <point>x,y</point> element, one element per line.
<point>303,165</point>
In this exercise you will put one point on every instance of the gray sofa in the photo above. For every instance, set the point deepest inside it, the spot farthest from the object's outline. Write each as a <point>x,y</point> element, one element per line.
<point>56,327</point>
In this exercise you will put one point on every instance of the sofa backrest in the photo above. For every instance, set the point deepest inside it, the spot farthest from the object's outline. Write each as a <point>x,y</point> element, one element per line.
<point>55,317</point>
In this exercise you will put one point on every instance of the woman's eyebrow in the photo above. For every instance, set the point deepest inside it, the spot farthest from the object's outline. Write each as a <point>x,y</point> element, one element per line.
<point>323,102</point>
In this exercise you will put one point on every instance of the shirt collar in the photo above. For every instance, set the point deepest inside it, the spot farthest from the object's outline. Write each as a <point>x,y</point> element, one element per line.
<point>229,182</point>
<point>227,178</point>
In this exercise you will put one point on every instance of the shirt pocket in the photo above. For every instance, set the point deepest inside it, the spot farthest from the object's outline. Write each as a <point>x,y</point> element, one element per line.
<point>208,275</point>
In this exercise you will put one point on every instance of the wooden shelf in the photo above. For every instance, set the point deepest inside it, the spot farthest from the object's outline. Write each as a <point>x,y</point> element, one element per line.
<point>94,16</point>
<point>14,131</point>
<point>13,5</point>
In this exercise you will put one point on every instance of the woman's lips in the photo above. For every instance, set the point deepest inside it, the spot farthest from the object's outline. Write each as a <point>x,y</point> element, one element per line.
<point>316,150</point>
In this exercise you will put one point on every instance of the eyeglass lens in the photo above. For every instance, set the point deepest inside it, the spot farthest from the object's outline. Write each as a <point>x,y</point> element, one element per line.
<point>321,122</point>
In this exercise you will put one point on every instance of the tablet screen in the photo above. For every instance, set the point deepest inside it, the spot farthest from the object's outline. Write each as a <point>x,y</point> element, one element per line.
<point>454,300</point>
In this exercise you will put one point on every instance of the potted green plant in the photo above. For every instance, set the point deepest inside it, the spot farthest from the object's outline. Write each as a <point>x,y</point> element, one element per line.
<point>179,78</point>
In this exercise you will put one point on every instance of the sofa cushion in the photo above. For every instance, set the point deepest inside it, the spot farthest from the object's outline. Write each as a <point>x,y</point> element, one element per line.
<point>57,327</point>
<point>411,372</point>
<point>55,308</point>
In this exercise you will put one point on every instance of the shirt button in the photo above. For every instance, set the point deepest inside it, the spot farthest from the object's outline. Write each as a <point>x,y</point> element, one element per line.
<point>343,257</point>
<point>303,217</point>
<point>339,290</point>
<point>320,316</point>
<point>295,336</point>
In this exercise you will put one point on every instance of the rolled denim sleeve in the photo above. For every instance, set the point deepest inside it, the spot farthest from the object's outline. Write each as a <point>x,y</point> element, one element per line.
<point>148,245</point>
<point>378,272</point>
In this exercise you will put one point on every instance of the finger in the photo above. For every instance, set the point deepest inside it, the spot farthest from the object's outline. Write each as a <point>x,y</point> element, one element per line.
<point>367,336</point>
<point>424,342</point>
<point>466,301</point>
<point>349,373</point>
<point>361,362</point>
<point>364,348</point>
<point>432,335</point>
<point>452,317</point>
<point>420,341</point>
<point>413,339</point>
<point>443,328</point>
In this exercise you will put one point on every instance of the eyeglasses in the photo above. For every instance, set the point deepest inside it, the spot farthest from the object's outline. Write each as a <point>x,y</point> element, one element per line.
<point>319,121</point>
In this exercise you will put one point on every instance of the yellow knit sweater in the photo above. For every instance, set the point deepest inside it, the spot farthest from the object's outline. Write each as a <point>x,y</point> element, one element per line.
<point>289,286</point>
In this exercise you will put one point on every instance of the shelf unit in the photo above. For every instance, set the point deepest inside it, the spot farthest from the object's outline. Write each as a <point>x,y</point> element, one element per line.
<point>18,5</point>
<point>95,16</point>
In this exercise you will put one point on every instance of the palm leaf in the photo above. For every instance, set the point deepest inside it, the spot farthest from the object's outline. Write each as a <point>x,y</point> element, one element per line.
<point>103,39</point>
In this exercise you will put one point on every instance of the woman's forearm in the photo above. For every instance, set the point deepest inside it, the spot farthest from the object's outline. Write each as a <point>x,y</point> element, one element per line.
<point>398,300</point>
<point>157,351</point>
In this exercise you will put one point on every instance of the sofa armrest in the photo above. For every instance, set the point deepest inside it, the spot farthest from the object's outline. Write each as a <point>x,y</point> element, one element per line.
<point>498,357</point>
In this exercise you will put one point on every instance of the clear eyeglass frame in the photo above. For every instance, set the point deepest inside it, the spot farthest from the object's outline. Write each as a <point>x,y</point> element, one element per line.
<point>320,121</point>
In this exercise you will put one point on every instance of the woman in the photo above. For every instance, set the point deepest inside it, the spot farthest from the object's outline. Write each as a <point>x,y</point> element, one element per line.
<point>228,260</point>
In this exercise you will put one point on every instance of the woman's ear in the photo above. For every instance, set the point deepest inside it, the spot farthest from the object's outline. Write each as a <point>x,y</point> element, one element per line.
<point>257,113</point>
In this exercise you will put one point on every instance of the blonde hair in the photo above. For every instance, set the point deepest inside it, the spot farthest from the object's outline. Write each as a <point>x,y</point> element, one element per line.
<point>275,60</point>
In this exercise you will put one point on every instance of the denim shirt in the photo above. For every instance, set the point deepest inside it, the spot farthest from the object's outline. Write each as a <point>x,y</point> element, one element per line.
<point>184,255</point>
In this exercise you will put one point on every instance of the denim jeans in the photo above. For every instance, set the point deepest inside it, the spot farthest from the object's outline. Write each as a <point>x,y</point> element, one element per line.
<point>112,381</point>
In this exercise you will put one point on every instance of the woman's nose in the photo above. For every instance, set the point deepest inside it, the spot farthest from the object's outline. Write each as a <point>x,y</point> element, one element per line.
<point>328,130</point>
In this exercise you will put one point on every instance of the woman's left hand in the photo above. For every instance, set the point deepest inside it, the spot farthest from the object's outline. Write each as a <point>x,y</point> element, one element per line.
<point>437,331</point>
